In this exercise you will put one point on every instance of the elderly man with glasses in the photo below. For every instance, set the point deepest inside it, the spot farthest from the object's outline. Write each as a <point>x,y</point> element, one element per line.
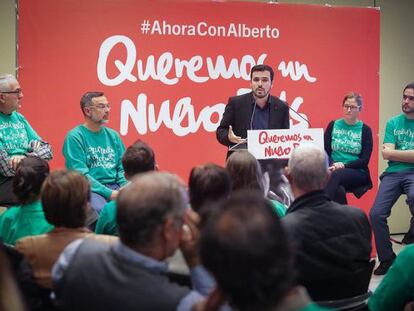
<point>17,138</point>
<point>96,151</point>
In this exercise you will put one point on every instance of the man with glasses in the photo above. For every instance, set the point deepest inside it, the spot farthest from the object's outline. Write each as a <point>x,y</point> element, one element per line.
<point>17,138</point>
<point>96,151</point>
<point>398,178</point>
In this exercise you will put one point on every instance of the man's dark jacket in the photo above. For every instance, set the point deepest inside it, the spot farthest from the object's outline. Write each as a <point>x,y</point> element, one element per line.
<point>333,246</point>
<point>238,114</point>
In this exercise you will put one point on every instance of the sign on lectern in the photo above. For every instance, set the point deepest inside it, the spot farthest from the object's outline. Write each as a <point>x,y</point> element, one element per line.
<point>279,144</point>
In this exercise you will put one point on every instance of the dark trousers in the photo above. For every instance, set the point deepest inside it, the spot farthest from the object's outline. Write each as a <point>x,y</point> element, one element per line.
<point>346,178</point>
<point>392,186</point>
<point>7,197</point>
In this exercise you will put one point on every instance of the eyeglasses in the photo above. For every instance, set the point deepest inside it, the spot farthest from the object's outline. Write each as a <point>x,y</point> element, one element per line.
<point>409,97</point>
<point>349,107</point>
<point>101,106</point>
<point>18,92</point>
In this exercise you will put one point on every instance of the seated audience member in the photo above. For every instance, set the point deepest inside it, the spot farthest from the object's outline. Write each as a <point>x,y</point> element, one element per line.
<point>250,256</point>
<point>65,199</point>
<point>348,142</point>
<point>208,183</point>
<point>28,217</point>
<point>246,174</point>
<point>131,274</point>
<point>138,158</point>
<point>333,240</point>
<point>95,151</point>
<point>396,288</point>
<point>18,140</point>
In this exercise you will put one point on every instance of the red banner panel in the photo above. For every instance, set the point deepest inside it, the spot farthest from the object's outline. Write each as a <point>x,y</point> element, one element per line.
<point>168,67</point>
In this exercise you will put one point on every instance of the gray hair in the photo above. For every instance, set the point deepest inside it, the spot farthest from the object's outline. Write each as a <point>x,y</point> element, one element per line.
<point>145,204</point>
<point>308,167</point>
<point>5,81</point>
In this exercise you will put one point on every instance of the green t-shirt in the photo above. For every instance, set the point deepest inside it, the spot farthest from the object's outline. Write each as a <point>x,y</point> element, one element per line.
<point>97,155</point>
<point>397,286</point>
<point>23,220</point>
<point>279,208</point>
<point>346,141</point>
<point>400,132</point>
<point>314,307</point>
<point>15,133</point>
<point>107,220</point>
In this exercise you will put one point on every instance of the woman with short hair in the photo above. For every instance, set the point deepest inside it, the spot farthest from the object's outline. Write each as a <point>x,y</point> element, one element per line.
<point>348,143</point>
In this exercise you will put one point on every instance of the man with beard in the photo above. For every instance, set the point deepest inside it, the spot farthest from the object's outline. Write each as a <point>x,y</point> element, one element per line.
<point>95,151</point>
<point>253,111</point>
<point>398,179</point>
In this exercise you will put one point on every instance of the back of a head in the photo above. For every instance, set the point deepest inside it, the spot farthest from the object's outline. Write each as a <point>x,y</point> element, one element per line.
<point>138,158</point>
<point>308,167</point>
<point>247,251</point>
<point>145,204</point>
<point>29,177</point>
<point>65,195</point>
<point>245,171</point>
<point>206,183</point>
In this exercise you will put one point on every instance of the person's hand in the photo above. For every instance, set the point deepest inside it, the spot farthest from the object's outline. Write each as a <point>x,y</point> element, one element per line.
<point>233,138</point>
<point>386,152</point>
<point>213,302</point>
<point>15,160</point>
<point>337,166</point>
<point>114,194</point>
<point>190,238</point>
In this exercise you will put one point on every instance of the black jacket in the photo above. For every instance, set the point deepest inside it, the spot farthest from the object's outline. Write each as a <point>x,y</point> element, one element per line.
<point>238,114</point>
<point>333,246</point>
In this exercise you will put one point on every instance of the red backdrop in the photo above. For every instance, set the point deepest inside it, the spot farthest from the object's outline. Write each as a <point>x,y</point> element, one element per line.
<point>168,67</point>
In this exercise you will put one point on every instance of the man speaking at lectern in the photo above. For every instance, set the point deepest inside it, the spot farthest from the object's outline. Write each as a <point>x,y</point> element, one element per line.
<point>253,111</point>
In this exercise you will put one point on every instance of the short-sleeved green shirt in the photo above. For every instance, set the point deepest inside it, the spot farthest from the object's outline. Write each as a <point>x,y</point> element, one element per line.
<point>346,141</point>
<point>400,132</point>
<point>23,220</point>
<point>107,220</point>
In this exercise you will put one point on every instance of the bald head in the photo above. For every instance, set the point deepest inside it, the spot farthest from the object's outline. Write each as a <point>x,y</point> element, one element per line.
<point>308,167</point>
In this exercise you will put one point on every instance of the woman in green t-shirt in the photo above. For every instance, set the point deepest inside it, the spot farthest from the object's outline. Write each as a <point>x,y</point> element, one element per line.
<point>28,217</point>
<point>348,143</point>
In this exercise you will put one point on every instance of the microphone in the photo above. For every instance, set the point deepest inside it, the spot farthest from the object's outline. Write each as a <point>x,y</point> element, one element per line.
<point>297,113</point>
<point>251,119</point>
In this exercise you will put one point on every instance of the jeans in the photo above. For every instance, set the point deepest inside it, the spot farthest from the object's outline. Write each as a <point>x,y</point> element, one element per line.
<point>98,201</point>
<point>392,186</point>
